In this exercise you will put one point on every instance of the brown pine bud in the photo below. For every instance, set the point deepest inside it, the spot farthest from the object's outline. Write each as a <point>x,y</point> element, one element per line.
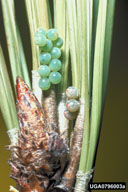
<point>39,155</point>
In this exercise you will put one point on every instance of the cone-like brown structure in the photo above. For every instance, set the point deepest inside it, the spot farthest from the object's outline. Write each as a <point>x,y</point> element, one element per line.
<point>37,160</point>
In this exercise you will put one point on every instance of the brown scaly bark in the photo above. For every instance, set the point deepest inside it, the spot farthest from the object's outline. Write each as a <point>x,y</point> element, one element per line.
<point>69,175</point>
<point>49,104</point>
<point>37,160</point>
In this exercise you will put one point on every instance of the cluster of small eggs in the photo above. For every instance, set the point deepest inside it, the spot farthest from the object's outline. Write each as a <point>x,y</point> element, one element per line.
<point>72,104</point>
<point>49,44</point>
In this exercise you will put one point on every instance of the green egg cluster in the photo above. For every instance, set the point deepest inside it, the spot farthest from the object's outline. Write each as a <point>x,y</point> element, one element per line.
<point>72,104</point>
<point>49,44</point>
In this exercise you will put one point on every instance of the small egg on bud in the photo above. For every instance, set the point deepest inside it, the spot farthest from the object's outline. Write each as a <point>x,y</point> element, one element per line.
<point>72,105</point>
<point>70,116</point>
<point>72,92</point>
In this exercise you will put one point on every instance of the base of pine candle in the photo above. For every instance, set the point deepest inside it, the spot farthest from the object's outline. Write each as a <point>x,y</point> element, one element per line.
<point>82,181</point>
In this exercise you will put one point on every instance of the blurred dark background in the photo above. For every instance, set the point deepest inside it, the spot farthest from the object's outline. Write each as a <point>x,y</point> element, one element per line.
<point>112,155</point>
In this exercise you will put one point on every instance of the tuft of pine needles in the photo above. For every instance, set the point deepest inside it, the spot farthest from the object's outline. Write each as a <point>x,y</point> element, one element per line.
<point>86,29</point>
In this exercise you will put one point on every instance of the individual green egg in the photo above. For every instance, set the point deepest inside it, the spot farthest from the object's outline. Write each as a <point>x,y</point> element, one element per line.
<point>69,115</point>
<point>72,92</point>
<point>55,53</point>
<point>44,70</point>
<point>40,39</point>
<point>48,46</point>
<point>58,42</point>
<point>45,58</point>
<point>52,34</point>
<point>44,83</point>
<point>72,105</point>
<point>55,65</point>
<point>55,77</point>
<point>40,30</point>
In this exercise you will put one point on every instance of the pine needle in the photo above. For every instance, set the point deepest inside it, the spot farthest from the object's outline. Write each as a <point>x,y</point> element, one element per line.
<point>60,19</point>
<point>71,7</point>
<point>33,25</point>
<point>108,42</point>
<point>44,14</point>
<point>49,14</point>
<point>85,27</point>
<point>7,103</point>
<point>11,37</point>
<point>101,67</point>
<point>97,81</point>
<point>23,60</point>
